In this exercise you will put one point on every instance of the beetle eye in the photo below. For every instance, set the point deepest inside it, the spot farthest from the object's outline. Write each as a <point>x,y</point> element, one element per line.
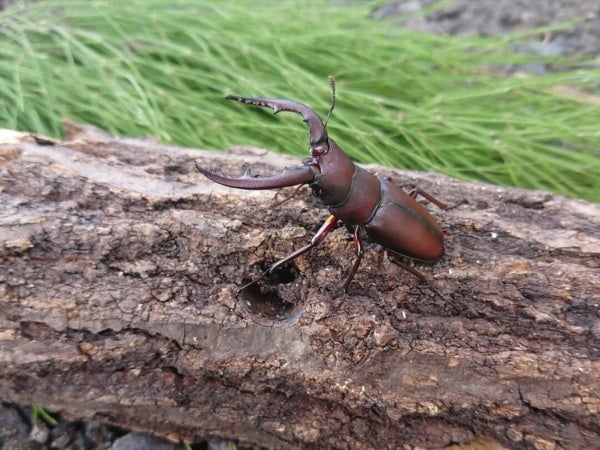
<point>319,150</point>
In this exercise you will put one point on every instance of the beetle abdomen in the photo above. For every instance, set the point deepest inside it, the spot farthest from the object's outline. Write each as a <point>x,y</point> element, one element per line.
<point>403,225</point>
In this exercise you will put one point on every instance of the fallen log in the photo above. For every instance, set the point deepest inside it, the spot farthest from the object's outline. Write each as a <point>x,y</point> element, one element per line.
<point>119,271</point>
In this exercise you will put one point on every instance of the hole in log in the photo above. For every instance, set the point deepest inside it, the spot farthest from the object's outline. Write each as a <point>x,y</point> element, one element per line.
<point>282,275</point>
<point>275,297</point>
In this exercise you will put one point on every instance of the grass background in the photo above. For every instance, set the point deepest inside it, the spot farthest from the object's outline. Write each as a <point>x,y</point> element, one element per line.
<point>405,99</point>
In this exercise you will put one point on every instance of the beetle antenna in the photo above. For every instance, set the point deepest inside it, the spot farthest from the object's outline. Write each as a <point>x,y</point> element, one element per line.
<point>332,84</point>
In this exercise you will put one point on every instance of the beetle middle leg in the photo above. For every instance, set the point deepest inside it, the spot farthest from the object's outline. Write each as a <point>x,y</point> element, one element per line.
<point>358,245</point>
<point>316,240</point>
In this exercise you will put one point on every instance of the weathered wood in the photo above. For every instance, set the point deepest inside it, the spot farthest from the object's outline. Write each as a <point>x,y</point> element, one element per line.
<point>119,269</point>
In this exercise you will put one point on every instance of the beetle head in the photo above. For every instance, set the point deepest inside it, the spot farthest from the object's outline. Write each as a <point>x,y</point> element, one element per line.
<point>318,150</point>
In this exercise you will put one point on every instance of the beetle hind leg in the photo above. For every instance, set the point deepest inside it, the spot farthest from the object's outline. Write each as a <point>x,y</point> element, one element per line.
<point>418,191</point>
<point>393,257</point>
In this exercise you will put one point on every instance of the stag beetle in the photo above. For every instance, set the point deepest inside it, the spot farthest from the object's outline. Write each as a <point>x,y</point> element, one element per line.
<point>390,216</point>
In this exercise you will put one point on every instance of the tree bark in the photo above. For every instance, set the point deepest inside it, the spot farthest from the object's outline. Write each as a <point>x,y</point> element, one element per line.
<point>119,271</point>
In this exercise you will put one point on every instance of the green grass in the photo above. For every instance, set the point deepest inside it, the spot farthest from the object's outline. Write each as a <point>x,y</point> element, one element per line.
<point>405,99</point>
<point>39,413</point>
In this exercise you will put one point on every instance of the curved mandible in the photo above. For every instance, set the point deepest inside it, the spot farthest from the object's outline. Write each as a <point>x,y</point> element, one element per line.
<point>316,128</point>
<point>289,177</point>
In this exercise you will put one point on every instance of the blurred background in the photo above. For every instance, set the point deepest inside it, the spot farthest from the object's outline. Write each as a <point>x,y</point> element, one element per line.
<point>501,91</point>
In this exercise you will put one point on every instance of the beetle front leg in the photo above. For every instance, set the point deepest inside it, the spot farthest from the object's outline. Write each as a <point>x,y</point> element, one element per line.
<point>316,240</point>
<point>358,246</point>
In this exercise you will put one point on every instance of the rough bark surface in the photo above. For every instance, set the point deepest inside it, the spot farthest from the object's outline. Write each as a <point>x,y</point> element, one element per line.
<point>119,270</point>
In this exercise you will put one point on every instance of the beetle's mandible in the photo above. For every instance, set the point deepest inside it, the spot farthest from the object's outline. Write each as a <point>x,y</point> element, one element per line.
<point>388,215</point>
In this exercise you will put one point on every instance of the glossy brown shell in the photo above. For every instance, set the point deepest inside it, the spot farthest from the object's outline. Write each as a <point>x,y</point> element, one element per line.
<point>404,226</point>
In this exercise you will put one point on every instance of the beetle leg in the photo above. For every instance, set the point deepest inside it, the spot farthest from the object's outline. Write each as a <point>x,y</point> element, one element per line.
<point>287,197</point>
<point>394,258</point>
<point>435,201</point>
<point>289,177</point>
<point>418,191</point>
<point>358,245</point>
<point>316,240</point>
